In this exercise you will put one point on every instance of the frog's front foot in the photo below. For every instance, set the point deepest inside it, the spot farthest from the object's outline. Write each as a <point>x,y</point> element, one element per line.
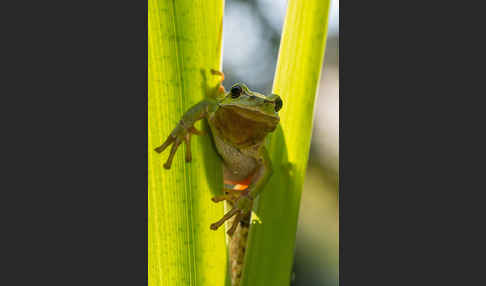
<point>180,134</point>
<point>242,207</point>
<point>221,74</point>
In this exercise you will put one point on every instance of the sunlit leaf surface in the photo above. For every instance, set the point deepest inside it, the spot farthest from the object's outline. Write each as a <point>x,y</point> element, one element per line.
<point>184,42</point>
<point>272,240</point>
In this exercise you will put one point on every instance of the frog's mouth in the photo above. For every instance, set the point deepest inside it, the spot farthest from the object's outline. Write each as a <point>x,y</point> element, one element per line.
<point>253,115</point>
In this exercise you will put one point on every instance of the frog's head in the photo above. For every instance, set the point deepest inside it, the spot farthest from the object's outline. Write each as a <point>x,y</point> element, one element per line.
<point>253,105</point>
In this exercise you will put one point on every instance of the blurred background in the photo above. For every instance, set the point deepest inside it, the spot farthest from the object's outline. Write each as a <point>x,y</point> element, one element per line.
<point>258,23</point>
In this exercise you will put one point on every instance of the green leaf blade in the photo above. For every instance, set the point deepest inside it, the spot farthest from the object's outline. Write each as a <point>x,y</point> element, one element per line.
<point>271,245</point>
<point>184,42</point>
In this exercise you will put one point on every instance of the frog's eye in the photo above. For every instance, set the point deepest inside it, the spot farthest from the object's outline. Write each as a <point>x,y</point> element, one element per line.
<point>236,91</point>
<point>278,104</point>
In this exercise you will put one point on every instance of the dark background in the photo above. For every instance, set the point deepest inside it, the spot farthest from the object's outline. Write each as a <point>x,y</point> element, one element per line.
<point>73,109</point>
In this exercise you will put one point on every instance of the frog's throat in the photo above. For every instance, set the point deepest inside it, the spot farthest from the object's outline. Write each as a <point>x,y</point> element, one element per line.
<point>241,129</point>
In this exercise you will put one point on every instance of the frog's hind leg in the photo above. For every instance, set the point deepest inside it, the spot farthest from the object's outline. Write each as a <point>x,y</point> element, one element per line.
<point>232,196</point>
<point>243,203</point>
<point>242,218</point>
<point>229,195</point>
<point>227,216</point>
<point>240,223</point>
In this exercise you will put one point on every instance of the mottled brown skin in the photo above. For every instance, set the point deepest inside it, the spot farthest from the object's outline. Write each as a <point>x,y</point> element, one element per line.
<point>239,120</point>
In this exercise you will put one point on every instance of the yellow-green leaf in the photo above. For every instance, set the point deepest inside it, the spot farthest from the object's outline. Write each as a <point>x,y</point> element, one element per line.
<point>271,245</point>
<point>184,42</point>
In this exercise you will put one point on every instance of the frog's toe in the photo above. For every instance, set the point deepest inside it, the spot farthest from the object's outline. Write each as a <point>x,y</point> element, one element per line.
<point>173,150</point>
<point>187,141</point>
<point>216,72</point>
<point>226,217</point>
<point>164,145</point>
<point>239,217</point>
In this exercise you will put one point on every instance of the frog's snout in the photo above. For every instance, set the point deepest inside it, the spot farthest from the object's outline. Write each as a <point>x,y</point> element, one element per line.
<point>278,103</point>
<point>276,100</point>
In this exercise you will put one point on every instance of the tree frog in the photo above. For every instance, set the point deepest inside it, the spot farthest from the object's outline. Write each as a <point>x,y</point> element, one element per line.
<point>239,121</point>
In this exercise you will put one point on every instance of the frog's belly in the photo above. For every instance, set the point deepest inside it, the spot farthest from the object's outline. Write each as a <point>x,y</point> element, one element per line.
<point>238,164</point>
